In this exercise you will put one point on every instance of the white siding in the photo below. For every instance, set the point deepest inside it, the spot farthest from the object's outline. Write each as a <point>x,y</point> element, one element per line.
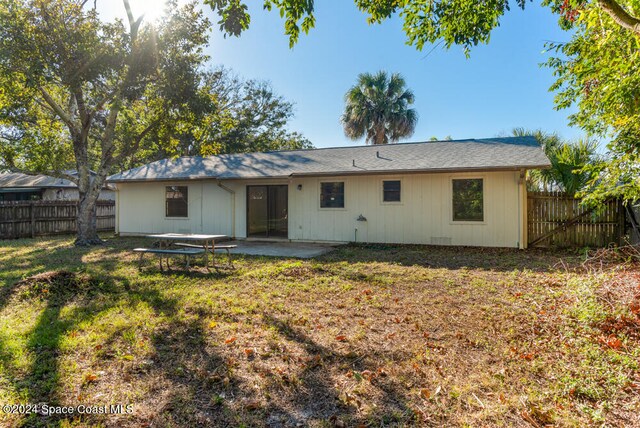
<point>141,209</point>
<point>424,216</point>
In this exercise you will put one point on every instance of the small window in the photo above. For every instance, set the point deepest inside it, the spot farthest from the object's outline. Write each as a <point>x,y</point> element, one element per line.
<point>332,195</point>
<point>177,201</point>
<point>468,202</point>
<point>391,191</point>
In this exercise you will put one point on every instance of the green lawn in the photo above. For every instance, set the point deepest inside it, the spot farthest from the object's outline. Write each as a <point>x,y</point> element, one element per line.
<point>363,336</point>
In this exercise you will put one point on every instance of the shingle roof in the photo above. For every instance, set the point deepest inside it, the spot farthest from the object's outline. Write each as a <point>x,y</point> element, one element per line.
<point>18,180</point>
<point>436,156</point>
<point>15,179</point>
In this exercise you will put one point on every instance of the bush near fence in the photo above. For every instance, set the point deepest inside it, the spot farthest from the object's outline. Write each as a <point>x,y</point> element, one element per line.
<point>28,219</point>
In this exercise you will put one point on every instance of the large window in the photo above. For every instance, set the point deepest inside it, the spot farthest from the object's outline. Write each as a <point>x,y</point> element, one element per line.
<point>177,201</point>
<point>391,191</point>
<point>332,195</point>
<point>468,202</point>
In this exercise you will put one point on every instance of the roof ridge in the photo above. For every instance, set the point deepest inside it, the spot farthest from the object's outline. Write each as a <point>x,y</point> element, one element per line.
<point>424,155</point>
<point>373,145</point>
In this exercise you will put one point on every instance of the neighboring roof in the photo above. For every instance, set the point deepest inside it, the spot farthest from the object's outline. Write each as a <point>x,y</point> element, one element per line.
<point>16,180</point>
<point>437,156</point>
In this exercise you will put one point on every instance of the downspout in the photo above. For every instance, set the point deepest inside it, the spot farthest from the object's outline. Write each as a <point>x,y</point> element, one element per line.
<point>233,207</point>
<point>522,200</point>
<point>117,225</point>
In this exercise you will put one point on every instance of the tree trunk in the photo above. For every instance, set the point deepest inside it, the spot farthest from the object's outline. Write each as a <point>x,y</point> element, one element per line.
<point>380,135</point>
<point>86,220</point>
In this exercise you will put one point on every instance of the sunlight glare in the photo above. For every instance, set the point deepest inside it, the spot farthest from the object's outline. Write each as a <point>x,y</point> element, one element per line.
<point>151,9</point>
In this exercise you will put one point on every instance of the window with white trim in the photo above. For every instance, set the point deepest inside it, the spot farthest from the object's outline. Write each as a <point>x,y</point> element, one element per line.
<point>177,201</point>
<point>468,199</point>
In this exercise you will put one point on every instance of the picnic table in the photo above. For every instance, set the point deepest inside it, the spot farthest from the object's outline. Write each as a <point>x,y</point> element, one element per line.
<point>206,242</point>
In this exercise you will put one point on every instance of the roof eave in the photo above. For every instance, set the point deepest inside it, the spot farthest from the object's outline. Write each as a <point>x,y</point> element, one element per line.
<point>335,173</point>
<point>421,171</point>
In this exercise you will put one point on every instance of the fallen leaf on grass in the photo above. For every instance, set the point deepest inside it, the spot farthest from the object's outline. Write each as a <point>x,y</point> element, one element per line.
<point>213,324</point>
<point>252,405</point>
<point>611,341</point>
<point>249,352</point>
<point>341,338</point>
<point>368,375</point>
<point>425,393</point>
<point>230,340</point>
<point>528,356</point>
<point>90,377</point>
<point>527,417</point>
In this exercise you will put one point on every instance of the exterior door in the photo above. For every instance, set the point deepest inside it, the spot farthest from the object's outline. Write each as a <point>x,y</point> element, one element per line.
<point>267,211</point>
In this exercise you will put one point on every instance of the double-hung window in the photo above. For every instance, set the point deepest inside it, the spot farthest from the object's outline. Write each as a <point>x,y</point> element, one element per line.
<point>468,199</point>
<point>332,194</point>
<point>391,190</point>
<point>177,201</point>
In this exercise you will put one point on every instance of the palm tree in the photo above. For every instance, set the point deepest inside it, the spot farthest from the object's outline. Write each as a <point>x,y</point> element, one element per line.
<point>568,160</point>
<point>377,107</point>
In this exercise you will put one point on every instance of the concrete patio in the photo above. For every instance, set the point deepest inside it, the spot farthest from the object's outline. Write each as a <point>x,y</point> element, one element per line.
<point>279,248</point>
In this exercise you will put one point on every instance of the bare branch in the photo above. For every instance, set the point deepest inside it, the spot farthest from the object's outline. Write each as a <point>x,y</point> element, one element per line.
<point>620,15</point>
<point>133,23</point>
<point>58,110</point>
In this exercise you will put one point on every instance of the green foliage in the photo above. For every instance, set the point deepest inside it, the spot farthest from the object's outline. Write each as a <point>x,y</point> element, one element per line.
<point>599,72</point>
<point>461,22</point>
<point>80,93</point>
<point>377,107</point>
<point>572,163</point>
<point>242,116</point>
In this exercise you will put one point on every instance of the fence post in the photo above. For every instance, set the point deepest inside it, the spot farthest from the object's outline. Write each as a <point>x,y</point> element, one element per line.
<point>621,221</point>
<point>32,213</point>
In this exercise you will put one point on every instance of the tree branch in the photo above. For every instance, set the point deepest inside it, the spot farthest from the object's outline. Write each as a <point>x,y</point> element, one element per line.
<point>58,110</point>
<point>620,15</point>
<point>133,23</point>
<point>135,144</point>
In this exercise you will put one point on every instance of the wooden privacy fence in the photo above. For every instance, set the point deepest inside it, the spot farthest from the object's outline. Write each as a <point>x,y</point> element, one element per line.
<point>26,219</point>
<point>556,219</point>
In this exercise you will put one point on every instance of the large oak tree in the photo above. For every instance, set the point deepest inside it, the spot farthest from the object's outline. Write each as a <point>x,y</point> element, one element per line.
<point>75,90</point>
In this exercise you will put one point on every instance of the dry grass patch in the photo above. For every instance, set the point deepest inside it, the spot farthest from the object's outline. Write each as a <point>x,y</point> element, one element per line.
<point>363,336</point>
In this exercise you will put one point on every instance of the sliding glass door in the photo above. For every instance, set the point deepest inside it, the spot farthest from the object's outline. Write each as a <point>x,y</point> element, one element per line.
<point>267,211</point>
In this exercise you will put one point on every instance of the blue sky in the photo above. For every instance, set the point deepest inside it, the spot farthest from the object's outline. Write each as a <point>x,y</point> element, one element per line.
<point>500,87</point>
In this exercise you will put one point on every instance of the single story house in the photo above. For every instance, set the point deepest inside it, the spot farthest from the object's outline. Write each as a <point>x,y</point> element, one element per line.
<point>22,187</point>
<point>466,192</point>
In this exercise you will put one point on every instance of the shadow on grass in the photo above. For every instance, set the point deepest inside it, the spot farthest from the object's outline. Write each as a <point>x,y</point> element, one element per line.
<point>455,257</point>
<point>323,400</point>
<point>73,293</point>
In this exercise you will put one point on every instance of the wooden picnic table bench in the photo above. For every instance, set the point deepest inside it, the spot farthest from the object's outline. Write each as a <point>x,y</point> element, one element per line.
<point>227,248</point>
<point>201,241</point>
<point>162,252</point>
